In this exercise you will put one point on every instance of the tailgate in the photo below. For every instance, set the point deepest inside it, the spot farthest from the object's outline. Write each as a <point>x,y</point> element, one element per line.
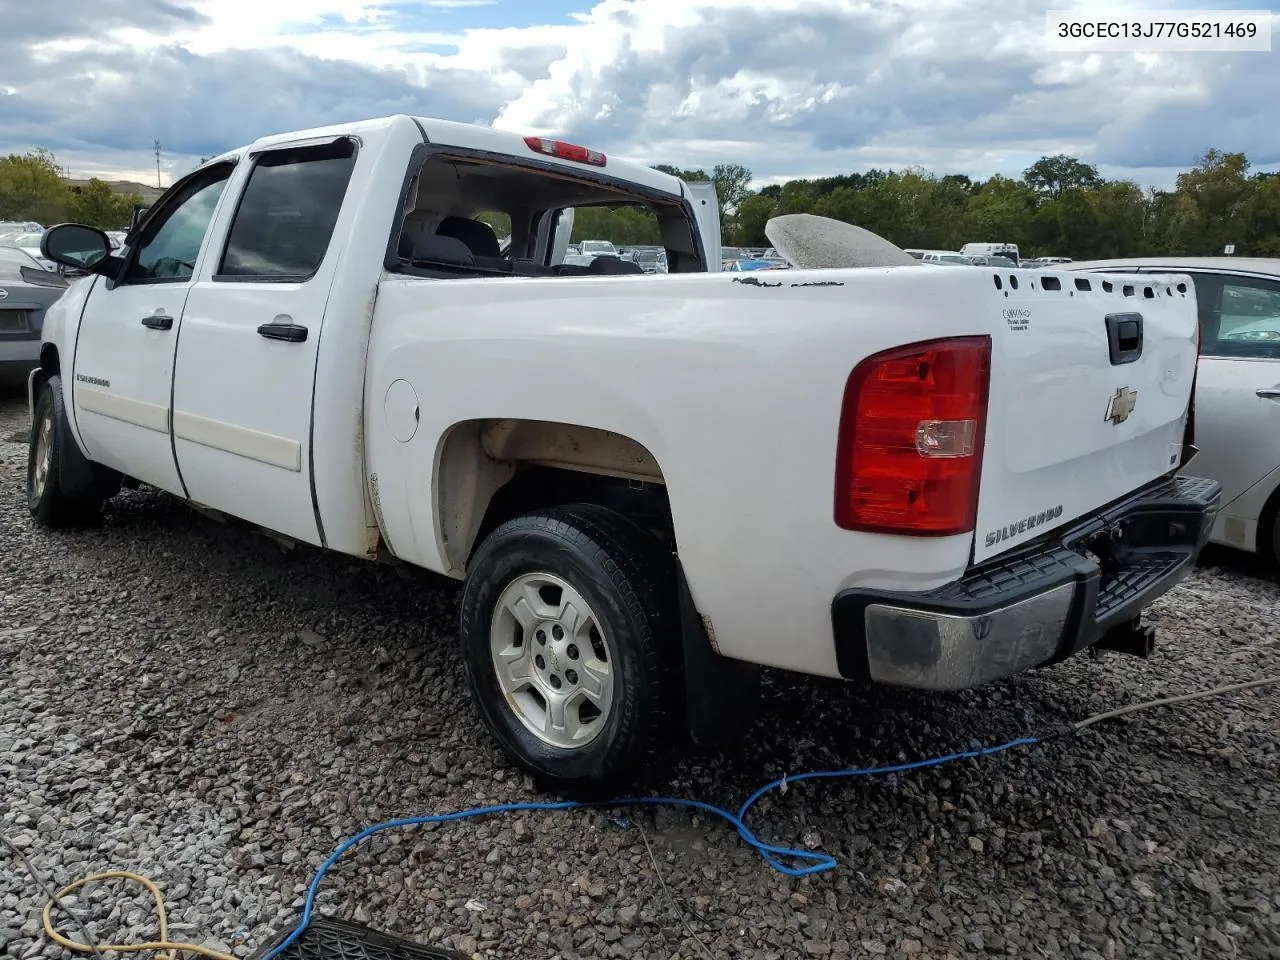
<point>1091,379</point>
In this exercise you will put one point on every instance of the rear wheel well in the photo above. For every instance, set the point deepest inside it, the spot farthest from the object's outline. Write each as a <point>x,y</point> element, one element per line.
<point>536,487</point>
<point>49,362</point>
<point>490,471</point>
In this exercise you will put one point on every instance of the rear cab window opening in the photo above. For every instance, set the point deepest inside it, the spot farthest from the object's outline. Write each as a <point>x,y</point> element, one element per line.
<point>466,215</point>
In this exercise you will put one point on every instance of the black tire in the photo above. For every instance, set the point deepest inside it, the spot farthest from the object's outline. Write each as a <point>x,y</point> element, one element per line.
<point>1275,540</point>
<point>47,501</point>
<point>1269,534</point>
<point>621,573</point>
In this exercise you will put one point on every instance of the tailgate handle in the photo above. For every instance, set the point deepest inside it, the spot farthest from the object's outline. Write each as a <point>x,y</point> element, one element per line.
<point>1124,337</point>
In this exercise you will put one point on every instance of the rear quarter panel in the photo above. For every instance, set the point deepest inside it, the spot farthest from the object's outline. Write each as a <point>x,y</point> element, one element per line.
<point>733,383</point>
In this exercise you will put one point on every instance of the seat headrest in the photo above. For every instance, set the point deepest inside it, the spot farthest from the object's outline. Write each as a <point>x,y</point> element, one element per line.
<point>441,249</point>
<point>476,234</point>
<point>613,265</point>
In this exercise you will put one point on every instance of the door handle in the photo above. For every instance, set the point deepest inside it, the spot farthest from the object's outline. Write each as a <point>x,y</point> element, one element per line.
<point>158,321</point>
<point>1269,394</point>
<point>291,332</point>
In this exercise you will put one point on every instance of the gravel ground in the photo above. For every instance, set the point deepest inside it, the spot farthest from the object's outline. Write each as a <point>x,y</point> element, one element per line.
<point>188,701</point>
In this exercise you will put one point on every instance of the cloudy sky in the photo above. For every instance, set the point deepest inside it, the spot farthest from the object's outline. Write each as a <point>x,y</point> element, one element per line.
<point>787,87</point>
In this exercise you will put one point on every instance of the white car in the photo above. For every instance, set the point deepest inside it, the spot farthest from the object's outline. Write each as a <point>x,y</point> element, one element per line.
<point>943,258</point>
<point>29,243</point>
<point>649,485</point>
<point>1237,418</point>
<point>598,248</point>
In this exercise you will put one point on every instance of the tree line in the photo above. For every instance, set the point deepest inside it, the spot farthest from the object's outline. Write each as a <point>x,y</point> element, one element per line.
<point>1060,206</point>
<point>32,188</point>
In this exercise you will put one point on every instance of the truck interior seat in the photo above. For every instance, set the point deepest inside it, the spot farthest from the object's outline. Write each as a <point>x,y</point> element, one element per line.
<point>476,234</point>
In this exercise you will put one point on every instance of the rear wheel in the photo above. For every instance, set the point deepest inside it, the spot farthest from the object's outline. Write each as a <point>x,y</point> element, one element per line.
<point>567,630</point>
<point>46,500</point>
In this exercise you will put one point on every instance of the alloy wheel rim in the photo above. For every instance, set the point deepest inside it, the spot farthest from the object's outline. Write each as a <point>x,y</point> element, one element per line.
<point>44,454</point>
<point>552,659</point>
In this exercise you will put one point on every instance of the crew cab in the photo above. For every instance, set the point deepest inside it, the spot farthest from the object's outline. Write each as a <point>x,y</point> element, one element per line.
<point>651,486</point>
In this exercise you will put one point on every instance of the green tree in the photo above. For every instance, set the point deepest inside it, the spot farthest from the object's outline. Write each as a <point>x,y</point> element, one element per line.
<point>690,176</point>
<point>1220,190</point>
<point>753,213</point>
<point>94,204</point>
<point>732,182</point>
<point>1000,211</point>
<point>1262,217</point>
<point>1050,176</point>
<point>32,189</point>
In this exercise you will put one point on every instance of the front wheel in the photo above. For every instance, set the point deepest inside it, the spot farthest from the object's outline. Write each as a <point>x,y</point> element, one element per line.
<point>568,636</point>
<point>46,500</point>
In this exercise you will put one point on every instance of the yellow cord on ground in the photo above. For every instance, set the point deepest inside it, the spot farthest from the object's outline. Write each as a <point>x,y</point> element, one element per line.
<point>164,944</point>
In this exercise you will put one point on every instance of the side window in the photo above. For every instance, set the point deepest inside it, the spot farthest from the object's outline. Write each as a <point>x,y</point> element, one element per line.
<point>1241,316</point>
<point>286,216</point>
<point>168,249</point>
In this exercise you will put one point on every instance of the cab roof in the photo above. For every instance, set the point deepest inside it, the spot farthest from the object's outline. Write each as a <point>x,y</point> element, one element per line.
<point>471,136</point>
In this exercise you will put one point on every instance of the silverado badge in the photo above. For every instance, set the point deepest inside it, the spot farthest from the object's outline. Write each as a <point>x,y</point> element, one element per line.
<point>1121,405</point>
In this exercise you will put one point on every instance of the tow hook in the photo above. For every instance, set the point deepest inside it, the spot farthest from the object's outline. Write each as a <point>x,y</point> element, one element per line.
<point>1132,638</point>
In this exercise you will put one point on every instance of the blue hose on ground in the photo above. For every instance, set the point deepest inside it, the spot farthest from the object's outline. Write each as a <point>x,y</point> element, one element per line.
<point>809,862</point>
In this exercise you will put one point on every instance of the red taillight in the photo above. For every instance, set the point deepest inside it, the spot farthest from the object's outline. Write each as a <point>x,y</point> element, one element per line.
<point>911,435</point>
<point>565,151</point>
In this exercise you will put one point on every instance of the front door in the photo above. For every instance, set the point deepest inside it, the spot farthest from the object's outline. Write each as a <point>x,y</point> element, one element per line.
<point>246,364</point>
<point>124,354</point>
<point>1238,384</point>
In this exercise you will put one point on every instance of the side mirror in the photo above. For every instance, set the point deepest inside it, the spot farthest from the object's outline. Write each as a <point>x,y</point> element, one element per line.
<point>78,247</point>
<point>139,211</point>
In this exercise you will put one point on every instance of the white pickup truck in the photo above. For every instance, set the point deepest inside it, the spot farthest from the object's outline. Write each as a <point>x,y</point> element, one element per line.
<point>651,485</point>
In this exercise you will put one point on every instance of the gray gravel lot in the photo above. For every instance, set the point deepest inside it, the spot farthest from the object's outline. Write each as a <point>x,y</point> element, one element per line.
<point>188,701</point>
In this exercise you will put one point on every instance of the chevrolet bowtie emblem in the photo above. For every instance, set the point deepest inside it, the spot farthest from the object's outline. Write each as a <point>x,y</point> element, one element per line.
<point>1121,405</point>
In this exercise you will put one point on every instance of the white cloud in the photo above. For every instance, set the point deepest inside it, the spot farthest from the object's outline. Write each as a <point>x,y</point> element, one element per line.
<point>791,87</point>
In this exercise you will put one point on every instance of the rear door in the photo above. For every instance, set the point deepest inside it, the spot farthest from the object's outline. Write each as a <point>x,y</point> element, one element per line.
<point>1090,386</point>
<point>246,364</point>
<point>1238,391</point>
<point>123,366</point>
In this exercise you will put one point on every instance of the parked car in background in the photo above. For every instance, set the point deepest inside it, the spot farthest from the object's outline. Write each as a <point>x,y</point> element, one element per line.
<point>744,265</point>
<point>1237,407</point>
<point>27,290</point>
<point>1009,250</point>
<point>598,247</point>
<point>991,260</point>
<point>651,259</point>
<point>943,257</point>
<point>19,226</point>
<point>29,243</point>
